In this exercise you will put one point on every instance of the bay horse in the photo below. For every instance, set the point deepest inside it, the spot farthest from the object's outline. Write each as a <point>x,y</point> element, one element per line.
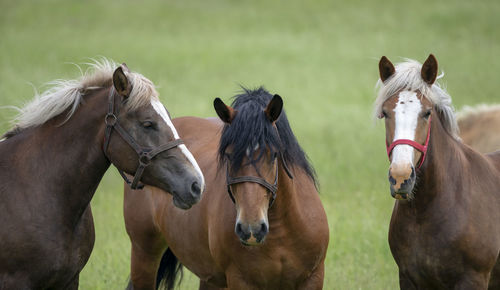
<point>260,224</point>
<point>445,227</point>
<point>478,127</point>
<point>55,156</point>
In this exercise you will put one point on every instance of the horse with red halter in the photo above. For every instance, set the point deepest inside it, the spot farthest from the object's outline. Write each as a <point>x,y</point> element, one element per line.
<point>445,226</point>
<point>260,223</point>
<point>53,160</point>
<point>478,127</point>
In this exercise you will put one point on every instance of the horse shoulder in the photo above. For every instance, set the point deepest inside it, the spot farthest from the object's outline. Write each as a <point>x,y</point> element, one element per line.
<point>313,225</point>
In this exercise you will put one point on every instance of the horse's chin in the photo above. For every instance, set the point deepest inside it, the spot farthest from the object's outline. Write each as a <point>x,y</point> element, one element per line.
<point>252,242</point>
<point>181,204</point>
<point>402,196</point>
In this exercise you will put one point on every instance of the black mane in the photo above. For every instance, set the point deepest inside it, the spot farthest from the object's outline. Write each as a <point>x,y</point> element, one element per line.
<point>251,127</point>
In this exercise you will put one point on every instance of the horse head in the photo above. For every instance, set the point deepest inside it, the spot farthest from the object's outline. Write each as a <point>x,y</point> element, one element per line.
<point>250,149</point>
<point>407,113</point>
<point>140,139</point>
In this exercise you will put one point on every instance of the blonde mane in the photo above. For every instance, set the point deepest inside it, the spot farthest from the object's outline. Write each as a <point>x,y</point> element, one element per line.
<point>407,77</point>
<point>67,94</point>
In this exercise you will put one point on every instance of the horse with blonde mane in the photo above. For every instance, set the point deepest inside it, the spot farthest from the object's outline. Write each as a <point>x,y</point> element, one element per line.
<point>444,231</point>
<point>478,126</point>
<point>55,156</point>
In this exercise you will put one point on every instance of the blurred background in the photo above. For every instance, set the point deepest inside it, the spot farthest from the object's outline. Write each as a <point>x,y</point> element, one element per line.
<point>320,56</point>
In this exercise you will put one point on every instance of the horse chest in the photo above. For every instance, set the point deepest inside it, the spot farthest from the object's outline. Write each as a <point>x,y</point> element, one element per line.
<point>427,253</point>
<point>45,256</point>
<point>281,269</point>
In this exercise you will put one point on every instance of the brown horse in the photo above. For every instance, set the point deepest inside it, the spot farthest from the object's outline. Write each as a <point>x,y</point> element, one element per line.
<point>478,127</point>
<point>54,158</point>
<point>445,226</point>
<point>260,223</point>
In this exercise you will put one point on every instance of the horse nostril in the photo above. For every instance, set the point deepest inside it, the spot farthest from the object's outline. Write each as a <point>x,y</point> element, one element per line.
<point>392,180</point>
<point>242,233</point>
<point>263,228</point>
<point>238,228</point>
<point>412,175</point>
<point>195,188</point>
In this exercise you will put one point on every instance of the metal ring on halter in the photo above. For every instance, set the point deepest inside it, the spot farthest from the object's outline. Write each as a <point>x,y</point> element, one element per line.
<point>107,118</point>
<point>144,158</point>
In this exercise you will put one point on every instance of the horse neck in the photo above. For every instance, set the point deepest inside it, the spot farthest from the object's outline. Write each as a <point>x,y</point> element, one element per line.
<point>66,161</point>
<point>442,170</point>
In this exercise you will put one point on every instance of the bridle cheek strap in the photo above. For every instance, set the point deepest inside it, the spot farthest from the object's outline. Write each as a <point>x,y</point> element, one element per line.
<point>422,148</point>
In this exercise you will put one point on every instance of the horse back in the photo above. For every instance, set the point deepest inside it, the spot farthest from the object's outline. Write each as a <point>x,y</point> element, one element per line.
<point>476,127</point>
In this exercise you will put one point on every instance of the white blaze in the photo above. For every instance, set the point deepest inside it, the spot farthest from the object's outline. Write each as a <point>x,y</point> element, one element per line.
<point>160,109</point>
<point>407,111</point>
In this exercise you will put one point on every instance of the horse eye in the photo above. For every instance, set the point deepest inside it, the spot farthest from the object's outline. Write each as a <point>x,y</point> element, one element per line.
<point>383,115</point>
<point>148,125</point>
<point>427,114</point>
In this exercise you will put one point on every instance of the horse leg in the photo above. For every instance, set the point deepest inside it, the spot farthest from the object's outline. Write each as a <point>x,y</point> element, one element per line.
<point>147,242</point>
<point>144,266</point>
<point>315,280</point>
<point>204,285</point>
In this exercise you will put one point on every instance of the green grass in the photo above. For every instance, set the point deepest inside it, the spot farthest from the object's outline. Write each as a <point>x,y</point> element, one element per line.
<point>321,56</point>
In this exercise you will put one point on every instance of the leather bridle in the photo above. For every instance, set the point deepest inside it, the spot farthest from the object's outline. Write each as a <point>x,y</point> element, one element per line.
<point>422,148</point>
<point>272,188</point>
<point>146,154</point>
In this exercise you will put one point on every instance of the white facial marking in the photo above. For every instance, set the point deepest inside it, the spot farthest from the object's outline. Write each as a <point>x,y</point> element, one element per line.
<point>160,109</point>
<point>255,148</point>
<point>407,110</point>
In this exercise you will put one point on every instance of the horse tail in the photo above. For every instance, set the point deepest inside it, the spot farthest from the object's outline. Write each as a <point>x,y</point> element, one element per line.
<point>168,271</point>
<point>129,285</point>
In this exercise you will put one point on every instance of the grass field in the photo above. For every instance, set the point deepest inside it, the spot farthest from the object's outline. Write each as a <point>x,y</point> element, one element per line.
<point>320,56</point>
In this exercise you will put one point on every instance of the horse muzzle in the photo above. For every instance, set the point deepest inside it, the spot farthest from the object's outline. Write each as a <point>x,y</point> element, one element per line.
<point>251,235</point>
<point>402,180</point>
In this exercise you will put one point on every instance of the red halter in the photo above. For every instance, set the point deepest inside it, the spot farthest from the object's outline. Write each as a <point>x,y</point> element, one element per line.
<point>416,145</point>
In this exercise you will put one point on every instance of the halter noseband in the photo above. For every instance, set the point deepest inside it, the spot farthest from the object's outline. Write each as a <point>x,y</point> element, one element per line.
<point>145,154</point>
<point>273,188</point>
<point>416,145</point>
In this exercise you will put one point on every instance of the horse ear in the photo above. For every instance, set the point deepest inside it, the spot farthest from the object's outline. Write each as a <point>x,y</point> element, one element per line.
<point>385,68</point>
<point>125,67</point>
<point>226,113</point>
<point>121,82</point>
<point>274,108</point>
<point>429,69</point>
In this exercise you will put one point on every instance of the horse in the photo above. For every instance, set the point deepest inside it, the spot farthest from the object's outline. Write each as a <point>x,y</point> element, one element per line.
<point>444,231</point>
<point>476,125</point>
<point>260,223</point>
<point>54,157</point>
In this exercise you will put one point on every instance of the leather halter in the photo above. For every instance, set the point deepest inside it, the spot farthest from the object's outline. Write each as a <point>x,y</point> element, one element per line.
<point>146,154</point>
<point>416,145</point>
<point>273,188</point>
